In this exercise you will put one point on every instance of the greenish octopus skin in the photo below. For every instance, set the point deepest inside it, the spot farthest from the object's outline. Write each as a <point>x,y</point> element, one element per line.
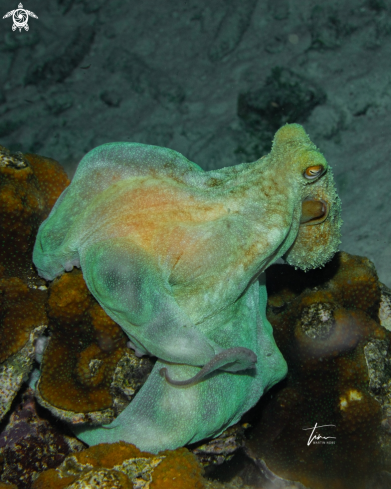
<point>175,255</point>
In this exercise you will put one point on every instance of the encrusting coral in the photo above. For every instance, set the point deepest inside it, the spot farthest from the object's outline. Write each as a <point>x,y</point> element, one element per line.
<point>152,232</point>
<point>326,424</point>
<point>83,351</point>
<point>29,186</point>
<point>123,466</point>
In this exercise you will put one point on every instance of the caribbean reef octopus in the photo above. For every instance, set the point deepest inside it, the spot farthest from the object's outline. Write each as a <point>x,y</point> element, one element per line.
<point>175,255</point>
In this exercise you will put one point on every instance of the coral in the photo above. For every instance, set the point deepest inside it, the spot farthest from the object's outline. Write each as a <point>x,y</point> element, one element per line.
<point>123,466</point>
<point>326,324</point>
<point>149,230</point>
<point>83,351</point>
<point>82,355</point>
<point>179,469</point>
<point>21,306</point>
<point>30,444</point>
<point>29,185</point>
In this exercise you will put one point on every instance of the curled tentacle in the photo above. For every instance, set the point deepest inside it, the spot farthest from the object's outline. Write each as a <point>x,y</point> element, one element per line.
<point>231,360</point>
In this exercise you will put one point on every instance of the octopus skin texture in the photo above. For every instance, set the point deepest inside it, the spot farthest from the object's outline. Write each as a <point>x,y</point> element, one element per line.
<point>175,255</point>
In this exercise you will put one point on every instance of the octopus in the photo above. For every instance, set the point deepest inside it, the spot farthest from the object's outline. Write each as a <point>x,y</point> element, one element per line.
<point>176,256</point>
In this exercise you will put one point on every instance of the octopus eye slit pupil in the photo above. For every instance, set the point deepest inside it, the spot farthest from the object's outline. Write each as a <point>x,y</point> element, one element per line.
<point>313,171</point>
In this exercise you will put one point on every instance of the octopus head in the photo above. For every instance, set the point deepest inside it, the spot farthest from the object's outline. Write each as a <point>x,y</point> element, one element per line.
<point>319,234</point>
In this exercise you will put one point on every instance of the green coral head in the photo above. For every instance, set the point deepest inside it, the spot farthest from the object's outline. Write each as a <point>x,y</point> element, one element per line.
<point>319,233</point>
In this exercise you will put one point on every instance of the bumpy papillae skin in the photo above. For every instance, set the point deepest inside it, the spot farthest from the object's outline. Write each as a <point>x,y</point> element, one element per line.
<point>176,256</point>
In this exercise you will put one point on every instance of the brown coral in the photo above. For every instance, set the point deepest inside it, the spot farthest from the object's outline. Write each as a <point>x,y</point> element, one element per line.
<point>22,309</point>
<point>84,349</point>
<point>87,363</point>
<point>324,323</point>
<point>29,185</point>
<point>121,465</point>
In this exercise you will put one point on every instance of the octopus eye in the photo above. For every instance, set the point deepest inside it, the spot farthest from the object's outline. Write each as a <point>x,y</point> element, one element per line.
<point>313,172</point>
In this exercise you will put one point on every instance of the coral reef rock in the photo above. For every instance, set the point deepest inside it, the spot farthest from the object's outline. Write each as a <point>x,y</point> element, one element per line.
<point>327,425</point>
<point>29,186</point>
<point>30,444</point>
<point>123,466</point>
